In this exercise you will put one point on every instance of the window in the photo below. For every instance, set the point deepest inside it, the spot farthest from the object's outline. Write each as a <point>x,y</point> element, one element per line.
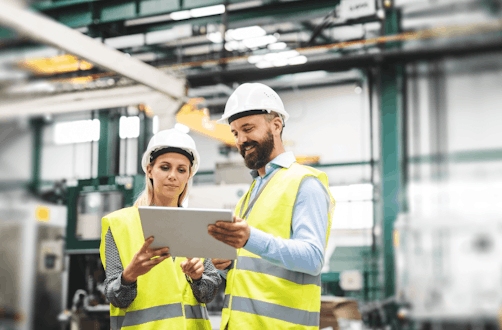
<point>76,131</point>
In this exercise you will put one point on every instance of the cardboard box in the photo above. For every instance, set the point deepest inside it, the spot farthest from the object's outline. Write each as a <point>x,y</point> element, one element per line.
<point>334,308</point>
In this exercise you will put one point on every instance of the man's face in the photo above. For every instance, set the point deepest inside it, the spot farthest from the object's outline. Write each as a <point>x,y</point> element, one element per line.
<point>254,139</point>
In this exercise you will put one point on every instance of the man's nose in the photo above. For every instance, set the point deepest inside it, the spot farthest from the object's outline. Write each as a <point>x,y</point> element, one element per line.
<point>241,138</point>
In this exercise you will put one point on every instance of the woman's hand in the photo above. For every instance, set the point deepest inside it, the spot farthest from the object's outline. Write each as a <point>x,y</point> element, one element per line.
<point>221,264</point>
<point>193,267</point>
<point>142,261</point>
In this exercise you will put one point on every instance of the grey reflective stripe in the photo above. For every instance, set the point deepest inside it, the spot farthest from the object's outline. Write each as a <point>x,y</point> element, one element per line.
<point>146,315</point>
<point>226,302</point>
<point>196,312</point>
<point>116,322</point>
<point>259,265</point>
<point>283,313</point>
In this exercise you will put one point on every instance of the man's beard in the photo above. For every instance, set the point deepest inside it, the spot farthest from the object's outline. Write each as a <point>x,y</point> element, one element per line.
<point>260,154</point>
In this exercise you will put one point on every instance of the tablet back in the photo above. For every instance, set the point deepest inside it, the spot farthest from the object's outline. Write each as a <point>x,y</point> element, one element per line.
<point>184,231</point>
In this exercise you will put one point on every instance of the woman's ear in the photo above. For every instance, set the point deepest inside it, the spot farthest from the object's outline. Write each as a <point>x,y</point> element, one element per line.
<point>149,171</point>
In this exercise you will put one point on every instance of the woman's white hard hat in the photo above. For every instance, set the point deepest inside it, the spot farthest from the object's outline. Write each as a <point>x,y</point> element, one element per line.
<point>171,138</point>
<point>252,97</point>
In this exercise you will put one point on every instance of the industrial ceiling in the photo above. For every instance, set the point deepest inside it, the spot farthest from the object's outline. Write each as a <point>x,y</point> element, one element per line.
<point>264,40</point>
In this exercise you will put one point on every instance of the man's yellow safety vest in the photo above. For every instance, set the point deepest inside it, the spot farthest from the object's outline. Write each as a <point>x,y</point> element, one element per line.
<point>164,298</point>
<point>260,295</point>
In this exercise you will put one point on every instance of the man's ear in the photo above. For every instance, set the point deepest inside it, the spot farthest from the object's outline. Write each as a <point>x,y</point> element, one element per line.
<point>277,124</point>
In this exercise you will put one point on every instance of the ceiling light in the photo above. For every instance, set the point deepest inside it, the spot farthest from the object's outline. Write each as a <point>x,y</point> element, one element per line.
<point>280,62</point>
<point>149,20</point>
<point>133,40</point>
<point>207,11</point>
<point>247,32</point>
<point>358,90</point>
<point>277,46</point>
<point>233,45</point>
<point>288,54</point>
<point>179,15</point>
<point>260,41</point>
<point>264,65</point>
<point>255,58</point>
<point>161,36</point>
<point>215,37</point>
<point>297,60</point>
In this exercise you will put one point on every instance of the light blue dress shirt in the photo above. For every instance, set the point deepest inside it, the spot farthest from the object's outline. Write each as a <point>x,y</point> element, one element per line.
<point>304,251</point>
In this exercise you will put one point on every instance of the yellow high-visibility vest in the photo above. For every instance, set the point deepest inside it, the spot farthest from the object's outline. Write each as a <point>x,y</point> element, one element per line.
<point>260,295</point>
<point>164,298</point>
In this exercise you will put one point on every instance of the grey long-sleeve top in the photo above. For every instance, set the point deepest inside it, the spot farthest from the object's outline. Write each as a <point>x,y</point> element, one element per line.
<point>121,295</point>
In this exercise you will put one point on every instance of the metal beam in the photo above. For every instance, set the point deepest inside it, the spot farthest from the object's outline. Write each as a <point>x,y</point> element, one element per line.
<point>90,100</point>
<point>47,31</point>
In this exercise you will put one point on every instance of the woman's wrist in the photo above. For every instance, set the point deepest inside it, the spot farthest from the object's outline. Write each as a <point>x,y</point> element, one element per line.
<point>126,280</point>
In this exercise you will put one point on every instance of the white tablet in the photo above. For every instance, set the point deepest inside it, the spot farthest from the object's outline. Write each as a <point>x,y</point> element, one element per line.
<point>184,231</point>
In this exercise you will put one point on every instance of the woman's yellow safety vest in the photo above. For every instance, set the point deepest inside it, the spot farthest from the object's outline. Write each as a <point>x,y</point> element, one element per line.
<point>260,295</point>
<point>164,298</point>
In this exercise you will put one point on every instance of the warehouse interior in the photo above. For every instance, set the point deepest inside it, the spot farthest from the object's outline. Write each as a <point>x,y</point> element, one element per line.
<point>398,101</point>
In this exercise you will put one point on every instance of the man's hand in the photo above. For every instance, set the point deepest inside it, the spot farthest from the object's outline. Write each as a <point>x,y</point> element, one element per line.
<point>193,267</point>
<point>142,261</point>
<point>235,233</point>
<point>221,264</point>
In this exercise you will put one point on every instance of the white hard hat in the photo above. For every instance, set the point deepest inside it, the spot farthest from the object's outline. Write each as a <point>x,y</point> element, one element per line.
<point>172,138</point>
<point>252,97</point>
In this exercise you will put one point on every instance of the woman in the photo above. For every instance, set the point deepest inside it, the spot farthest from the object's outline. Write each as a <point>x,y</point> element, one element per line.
<point>147,288</point>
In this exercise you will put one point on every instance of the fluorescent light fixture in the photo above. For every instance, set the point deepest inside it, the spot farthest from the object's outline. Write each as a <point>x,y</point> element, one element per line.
<point>277,46</point>
<point>247,32</point>
<point>177,32</point>
<point>253,59</point>
<point>264,65</point>
<point>244,5</point>
<point>179,15</point>
<point>289,54</point>
<point>234,45</point>
<point>297,60</point>
<point>78,131</point>
<point>260,41</point>
<point>133,40</point>
<point>148,20</point>
<point>215,37</point>
<point>129,127</point>
<point>155,124</point>
<point>182,128</point>
<point>145,57</point>
<point>280,62</point>
<point>207,11</point>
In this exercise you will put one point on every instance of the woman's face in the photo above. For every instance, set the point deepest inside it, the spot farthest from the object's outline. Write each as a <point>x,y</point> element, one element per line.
<point>170,173</point>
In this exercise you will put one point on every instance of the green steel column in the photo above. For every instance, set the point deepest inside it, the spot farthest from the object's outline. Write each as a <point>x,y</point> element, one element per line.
<point>103,165</point>
<point>145,134</point>
<point>37,129</point>
<point>390,164</point>
<point>108,152</point>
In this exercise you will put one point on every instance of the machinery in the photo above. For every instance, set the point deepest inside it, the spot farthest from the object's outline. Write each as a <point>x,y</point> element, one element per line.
<point>31,262</point>
<point>85,306</point>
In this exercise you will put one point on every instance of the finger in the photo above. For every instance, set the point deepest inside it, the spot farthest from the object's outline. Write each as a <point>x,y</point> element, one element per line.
<point>147,243</point>
<point>232,226</point>
<point>159,252</point>
<point>220,230</point>
<point>236,219</point>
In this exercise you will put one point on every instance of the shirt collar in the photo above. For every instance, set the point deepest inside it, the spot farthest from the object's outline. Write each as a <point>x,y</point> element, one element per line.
<point>285,160</point>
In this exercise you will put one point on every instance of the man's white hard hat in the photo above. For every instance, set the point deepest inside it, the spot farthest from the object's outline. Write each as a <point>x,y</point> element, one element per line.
<point>172,138</point>
<point>251,98</point>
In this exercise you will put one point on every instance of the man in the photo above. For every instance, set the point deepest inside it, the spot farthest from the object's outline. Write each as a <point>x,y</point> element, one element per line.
<point>280,226</point>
